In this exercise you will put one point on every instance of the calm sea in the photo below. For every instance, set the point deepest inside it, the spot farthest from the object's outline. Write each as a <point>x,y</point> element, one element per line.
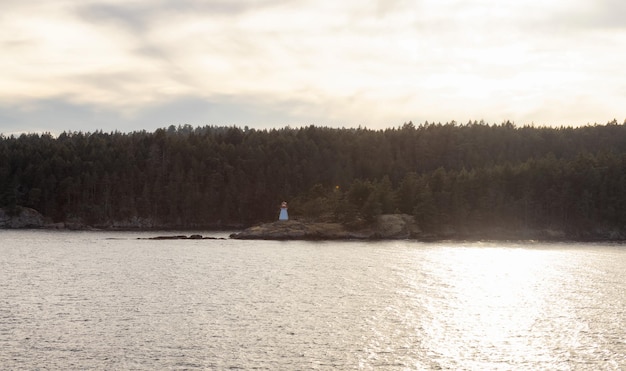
<point>106,300</point>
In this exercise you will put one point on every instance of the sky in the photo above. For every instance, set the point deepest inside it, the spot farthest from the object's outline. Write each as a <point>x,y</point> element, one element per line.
<point>127,65</point>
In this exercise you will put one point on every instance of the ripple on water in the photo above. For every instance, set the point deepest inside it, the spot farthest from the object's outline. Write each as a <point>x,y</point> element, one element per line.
<point>109,301</point>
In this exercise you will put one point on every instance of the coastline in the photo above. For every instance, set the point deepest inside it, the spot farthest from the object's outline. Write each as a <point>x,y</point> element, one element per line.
<point>234,234</point>
<point>385,227</point>
<point>403,227</point>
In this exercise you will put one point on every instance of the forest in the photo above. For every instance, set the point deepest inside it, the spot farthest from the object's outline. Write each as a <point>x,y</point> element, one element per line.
<point>462,177</point>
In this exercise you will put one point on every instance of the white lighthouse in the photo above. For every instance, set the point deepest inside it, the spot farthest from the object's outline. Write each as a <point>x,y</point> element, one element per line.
<point>283,212</point>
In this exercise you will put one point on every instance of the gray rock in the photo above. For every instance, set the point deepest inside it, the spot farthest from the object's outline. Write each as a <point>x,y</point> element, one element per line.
<point>23,217</point>
<point>396,226</point>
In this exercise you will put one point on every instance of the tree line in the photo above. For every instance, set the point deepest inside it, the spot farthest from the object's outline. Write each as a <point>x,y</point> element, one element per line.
<point>449,176</point>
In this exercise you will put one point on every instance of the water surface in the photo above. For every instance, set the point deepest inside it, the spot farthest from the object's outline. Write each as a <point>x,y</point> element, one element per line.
<point>95,300</point>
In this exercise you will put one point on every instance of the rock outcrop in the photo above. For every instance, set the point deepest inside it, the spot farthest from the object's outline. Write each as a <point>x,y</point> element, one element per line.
<point>22,217</point>
<point>182,237</point>
<point>295,230</point>
<point>396,226</point>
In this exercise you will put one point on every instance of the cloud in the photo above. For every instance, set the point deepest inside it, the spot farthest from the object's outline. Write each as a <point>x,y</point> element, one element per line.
<point>592,15</point>
<point>60,114</point>
<point>49,115</point>
<point>375,62</point>
<point>142,15</point>
<point>133,16</point>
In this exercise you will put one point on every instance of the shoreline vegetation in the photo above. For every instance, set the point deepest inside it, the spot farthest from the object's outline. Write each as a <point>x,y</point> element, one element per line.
<point>453,181</point>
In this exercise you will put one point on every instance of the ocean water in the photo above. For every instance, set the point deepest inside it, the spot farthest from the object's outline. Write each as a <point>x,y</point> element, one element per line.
<point>107,300</point>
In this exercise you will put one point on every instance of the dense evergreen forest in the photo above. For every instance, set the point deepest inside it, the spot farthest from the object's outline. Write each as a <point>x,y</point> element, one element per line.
<point>462,177</point>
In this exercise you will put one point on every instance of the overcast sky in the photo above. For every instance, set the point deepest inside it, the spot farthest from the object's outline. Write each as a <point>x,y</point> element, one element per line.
<point>85,65</point>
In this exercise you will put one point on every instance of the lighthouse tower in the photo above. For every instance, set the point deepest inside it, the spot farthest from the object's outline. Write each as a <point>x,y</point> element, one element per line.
<point>283,212</point>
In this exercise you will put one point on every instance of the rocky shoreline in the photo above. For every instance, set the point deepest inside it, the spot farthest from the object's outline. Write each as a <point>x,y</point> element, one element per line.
<point>401,226</point>
<point>26,218</point>
<point>396,226</point>
<point>385,227</point>
<point>182,237</point>
<point>21,217</point>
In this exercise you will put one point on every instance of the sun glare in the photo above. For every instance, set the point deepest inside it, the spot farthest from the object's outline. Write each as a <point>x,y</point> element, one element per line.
<point>495,298</point>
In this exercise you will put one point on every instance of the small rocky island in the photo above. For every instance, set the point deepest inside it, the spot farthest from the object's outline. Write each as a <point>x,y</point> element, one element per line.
<point>392,226</point>
<point>182,237</point>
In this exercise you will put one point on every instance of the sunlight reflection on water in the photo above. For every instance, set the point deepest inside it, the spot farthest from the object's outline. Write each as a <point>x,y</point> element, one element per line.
<point>84,300</point>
